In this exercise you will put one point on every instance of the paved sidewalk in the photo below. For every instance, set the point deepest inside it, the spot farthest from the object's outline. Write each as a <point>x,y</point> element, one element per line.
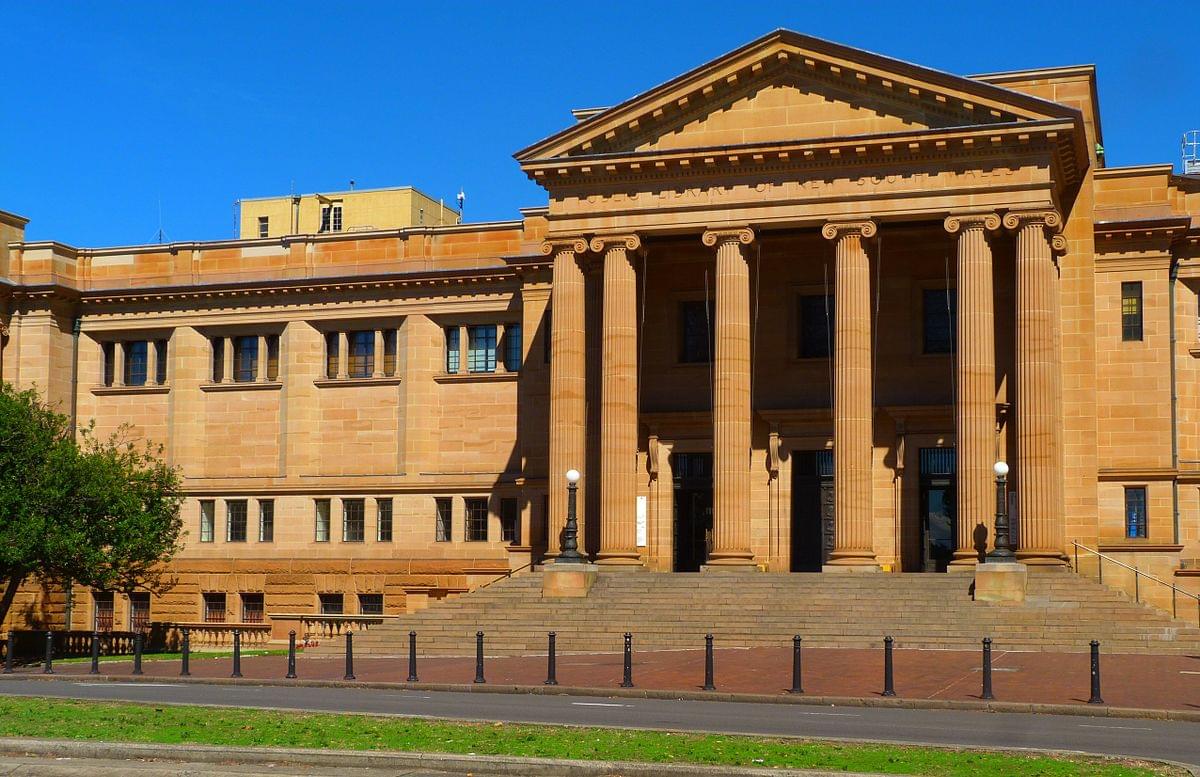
<point>1168,682</point>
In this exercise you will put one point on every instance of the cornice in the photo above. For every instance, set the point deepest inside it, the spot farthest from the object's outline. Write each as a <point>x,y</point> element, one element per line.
<point>12,219</point>
<point>1137,473</point>
<point>1134,171</point>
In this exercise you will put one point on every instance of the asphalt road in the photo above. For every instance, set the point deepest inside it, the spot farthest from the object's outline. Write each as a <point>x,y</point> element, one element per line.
<point>1176,741</point>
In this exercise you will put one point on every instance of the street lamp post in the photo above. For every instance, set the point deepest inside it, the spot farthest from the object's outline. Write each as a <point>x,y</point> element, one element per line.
<point>570,549</point>
<point>1002,550</point>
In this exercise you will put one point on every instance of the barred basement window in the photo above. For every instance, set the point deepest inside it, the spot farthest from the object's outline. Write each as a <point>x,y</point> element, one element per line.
<point>252,608</point>
<point>938,309</point>
<point>510,521</point>
<point>370,604</point>
<point>512,347</point>
<point>235,520</point>
<point>139,611</point>
<point>1135,512</point>
<point>208,512</point>
<point>481,348</point>
<point>695,332</point>
<point>477,520</point>
<point>816,326</point>
<point>266,520</point>
<point>103,603</point>
<point>1131,311</point>
<point>443,530</point>
<point>353,520</point>
<point>322,520</point>
<point>452,349</point>
<point>383,531</point>
<point>214,608</point>
<point>331,604</point>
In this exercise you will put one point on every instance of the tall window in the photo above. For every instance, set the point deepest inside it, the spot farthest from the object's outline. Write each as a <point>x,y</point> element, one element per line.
<point>272,357</point>
<point>322,520</point>
<point>214,608</point>
<point>389,352</point>
<point>160,366</point>
<point>452,349</point>
<point>512,347</point>
<point>331,354</point>
<point>383,529</point>
<point>1135,512</point>
<point>135,363</point>
<point>235,520</point>
<point>442,528</point>
<point>331,604</point>
<point>939,307</point>
<point>362,354</point>
<point>252,608</point>
<point>139,611</point>
<point>370,604</point>
<point>816,325</point>
<point>477,520</point>
<point>481,348</point>
<point>331,217</point>
<point>245,358</point>
<point>208,511</point>
<point>1131,311</point>
<point>264,228</point>
<point>695,332</point>
<point>510,521</point>
<point>266,520</point>
<point>353,520</point>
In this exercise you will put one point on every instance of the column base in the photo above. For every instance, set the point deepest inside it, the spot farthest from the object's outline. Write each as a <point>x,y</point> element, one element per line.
<point>1044,558</point>
<point>731,558</point>
<point>963,561</point>
<point>619,558</point>
<point>851,561</point>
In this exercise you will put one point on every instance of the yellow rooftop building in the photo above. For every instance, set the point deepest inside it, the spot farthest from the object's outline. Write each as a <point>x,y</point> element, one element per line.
<point>356,210</point>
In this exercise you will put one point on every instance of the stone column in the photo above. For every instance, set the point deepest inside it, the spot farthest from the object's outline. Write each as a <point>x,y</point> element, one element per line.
<point>227,361</point>
<point>852,400</point>
<point>1039,466</point>
<point>463,346</point>
<point>343,370</point>
<point>498,351</point>
<point>377,367</point>
<point>975,383</point>
<point>568,428</point>
<point>262,359</point>
<point>618,401</point>
<point>118,363</point>
<point>152,362</point>
<point>731,400</point>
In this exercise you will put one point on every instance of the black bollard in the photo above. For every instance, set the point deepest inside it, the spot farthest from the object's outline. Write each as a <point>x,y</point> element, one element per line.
<point>8,653</point>
<point>551,678</point>
<point>479,657</point>
<point>95,653</point>
<point>49,653</point>
<point>888,686</point>
<point>1095,674</point>
<point>708,663</point>
<point>291,672</point>
<point>796,686</point>
<point>987,669</point>
<point>237,653</point>
<point>139,641</point>
<point>412,657</point>
<point>185,669</point>
<point>627,680</point>
<point>349,656</point>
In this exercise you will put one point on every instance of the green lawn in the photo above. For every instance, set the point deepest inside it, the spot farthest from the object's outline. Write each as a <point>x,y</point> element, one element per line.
<point>61,719</point>
<point>195,655</point>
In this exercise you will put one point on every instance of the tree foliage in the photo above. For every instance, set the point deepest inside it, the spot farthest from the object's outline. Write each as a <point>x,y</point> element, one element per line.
<point>102,513</point>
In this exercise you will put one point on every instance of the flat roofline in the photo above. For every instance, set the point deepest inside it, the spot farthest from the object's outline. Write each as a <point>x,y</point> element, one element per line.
<point>1060,70</point>
<point>1132,170</point>
<point>349,191</point>
<point>12,218</point>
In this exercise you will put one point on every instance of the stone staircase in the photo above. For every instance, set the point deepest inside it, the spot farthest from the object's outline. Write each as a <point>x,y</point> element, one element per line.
<point>1063,612</point>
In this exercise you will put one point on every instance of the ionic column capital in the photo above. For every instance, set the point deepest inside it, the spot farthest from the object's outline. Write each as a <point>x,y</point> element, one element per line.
<point>716,237</point>
<point>835,230</point>
<point>601,243</point>
<point>554,245</point>
<point>961,222</point>
<point>1049,219</point>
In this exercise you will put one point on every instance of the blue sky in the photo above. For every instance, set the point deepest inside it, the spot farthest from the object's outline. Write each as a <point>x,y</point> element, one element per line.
<point>113,109</point>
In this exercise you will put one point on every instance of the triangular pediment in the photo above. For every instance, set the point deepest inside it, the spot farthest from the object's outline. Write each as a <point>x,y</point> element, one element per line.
<point>787,87</point>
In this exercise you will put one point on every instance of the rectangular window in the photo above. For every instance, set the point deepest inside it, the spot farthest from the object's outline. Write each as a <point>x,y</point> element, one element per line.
<point>266,520</point>
<point>331,604</point>
<point>383,529</point>
<point>938,309</point>
<point>335,221</point>
<point>1131,311</point>
<point>331,354</point>
<point>816,326</point>
<point>245,358</point>
<point>139,611</point>
<point>370,604</point>
<point>1135,512</point>
<point>512,347</point>
<point>510,521</point>
<point>252,608</point>
<point>160,361</point>
<point>389,352</point>
<point>214,608</point>
<point>325,213</point>
<point>322,520</point>
<point>353,520</point>
<point>362,354</point>
<point>443,530</point>
<point>481,348</point>
<point>109,350</point>
<point>272,357</point>
<point>218,358</point>
<point>135,363</point>
<point>208,512</point>
<point>452,349</point>
<point>103,601</point>
<point>264,228</point>
<point>235,520</point>
<point>477,520</point>
<point>695,332</point>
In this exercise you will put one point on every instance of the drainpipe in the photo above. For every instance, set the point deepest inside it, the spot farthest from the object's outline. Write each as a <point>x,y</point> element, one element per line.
<point>75,372</point>
<point>1174,276</point>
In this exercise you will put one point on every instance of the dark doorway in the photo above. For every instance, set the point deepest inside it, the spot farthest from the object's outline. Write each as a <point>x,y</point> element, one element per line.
<point>938,519</point>
<point>812,510</point>
<point>693,509</point>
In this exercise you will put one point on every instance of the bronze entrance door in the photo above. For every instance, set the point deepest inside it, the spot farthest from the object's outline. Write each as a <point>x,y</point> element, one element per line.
<point>812,510</point>
<point>693,509</point>
<point>938,499</point>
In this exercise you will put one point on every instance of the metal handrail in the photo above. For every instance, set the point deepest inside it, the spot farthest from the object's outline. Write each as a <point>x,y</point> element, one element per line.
<point>507,574</point>
<point>1137,575</point>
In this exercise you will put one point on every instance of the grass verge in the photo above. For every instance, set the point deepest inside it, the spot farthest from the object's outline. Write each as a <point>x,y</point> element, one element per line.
<point>116,722</point>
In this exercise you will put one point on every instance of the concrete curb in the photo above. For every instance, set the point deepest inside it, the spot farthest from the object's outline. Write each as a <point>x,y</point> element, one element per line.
<point>1080,710</point>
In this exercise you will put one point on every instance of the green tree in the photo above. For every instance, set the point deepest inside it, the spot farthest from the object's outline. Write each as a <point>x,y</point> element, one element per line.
<point>102,513</point>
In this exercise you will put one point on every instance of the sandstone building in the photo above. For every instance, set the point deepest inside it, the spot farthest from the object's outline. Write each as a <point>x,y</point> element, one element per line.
<point>783,311</point>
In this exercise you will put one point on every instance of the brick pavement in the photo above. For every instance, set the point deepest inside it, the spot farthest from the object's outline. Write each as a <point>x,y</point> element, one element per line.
<point>1145,681</point>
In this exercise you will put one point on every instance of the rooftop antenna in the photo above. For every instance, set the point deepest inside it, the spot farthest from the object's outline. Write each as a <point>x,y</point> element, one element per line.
<point>351,184</point>
<point>461,197</point>
<point>1191,152</point>
<point>161,237</point>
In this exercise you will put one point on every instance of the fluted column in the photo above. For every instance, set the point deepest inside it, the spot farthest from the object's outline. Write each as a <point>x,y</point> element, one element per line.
<point>568,419</point>
<point>852,423</point>
<point>975,384</point>
<point>1039,402</point>
<point>731,400</point>
<point>618,401</point>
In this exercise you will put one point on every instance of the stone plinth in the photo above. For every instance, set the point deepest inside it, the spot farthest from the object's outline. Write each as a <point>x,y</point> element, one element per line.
<point>568,581</point>
<point>1000,582</point>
